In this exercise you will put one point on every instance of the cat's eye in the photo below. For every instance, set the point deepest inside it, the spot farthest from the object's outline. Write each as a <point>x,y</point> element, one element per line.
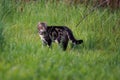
<point>42,32</point>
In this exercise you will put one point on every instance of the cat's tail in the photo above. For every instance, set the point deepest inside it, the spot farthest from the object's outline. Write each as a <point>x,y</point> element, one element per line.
<point>72,38</point>
<point>78,42</point>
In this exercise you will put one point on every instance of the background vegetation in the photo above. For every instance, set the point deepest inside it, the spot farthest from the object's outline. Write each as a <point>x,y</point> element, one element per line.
<point>22,56</point>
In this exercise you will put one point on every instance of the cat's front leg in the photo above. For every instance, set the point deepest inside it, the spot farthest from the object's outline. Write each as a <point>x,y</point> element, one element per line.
<point>44,43</point>
<point>49,43</point>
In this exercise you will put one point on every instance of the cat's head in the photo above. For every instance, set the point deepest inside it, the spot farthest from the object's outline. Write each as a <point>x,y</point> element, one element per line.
<point>42,27</point>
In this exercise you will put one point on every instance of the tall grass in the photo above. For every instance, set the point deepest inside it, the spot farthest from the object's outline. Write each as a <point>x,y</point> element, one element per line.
<point>24,57</point>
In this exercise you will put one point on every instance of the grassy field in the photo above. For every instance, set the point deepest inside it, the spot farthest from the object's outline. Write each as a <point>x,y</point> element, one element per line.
<point>22,56</point>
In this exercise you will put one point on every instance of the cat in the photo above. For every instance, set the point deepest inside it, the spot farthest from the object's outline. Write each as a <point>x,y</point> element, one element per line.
<point>58,34</point>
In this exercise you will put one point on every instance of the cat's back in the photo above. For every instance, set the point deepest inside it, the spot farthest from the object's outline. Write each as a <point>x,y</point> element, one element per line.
<point>58,28</point>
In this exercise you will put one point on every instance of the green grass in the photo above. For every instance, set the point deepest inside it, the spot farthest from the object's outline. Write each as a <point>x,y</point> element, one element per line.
<point>23,57</point>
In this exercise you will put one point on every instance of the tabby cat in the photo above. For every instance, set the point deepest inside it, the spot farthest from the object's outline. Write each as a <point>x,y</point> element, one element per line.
<point>59,34</point>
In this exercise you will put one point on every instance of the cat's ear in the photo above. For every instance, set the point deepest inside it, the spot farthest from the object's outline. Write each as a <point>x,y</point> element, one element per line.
<point>39,23</point>
<point>42,25</point>
<point>45,24</point>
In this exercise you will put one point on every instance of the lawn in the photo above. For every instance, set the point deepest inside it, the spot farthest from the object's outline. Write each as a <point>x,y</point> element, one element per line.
<point>22,56</point>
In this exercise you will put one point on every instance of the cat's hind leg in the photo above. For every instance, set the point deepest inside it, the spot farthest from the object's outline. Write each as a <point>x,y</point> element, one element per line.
<point>64,42</point>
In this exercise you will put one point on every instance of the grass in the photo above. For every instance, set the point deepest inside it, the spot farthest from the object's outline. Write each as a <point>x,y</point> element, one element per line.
<point>24,58</point>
